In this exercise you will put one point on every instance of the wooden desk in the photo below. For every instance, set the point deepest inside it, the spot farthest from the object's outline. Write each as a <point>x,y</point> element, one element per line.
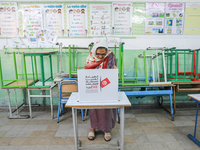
<point>196,98</point>
<point>75,104</point>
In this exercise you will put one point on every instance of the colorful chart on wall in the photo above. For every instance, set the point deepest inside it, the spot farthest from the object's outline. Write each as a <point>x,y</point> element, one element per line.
<point>77,20</point>
<point>192,18</point>
<point>121,19</point>
<point>32,20</point>
<point>155,14</point>
<point>174,18</point>
<point>9,26</point>
<point>54,19</point>
<point>100,19</point>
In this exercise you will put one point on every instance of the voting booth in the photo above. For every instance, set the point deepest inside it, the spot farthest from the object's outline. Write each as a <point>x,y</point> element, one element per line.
<point>98,85</point>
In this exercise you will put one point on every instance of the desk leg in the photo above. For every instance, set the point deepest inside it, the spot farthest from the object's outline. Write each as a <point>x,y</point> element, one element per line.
<point>29,100</point>
<point>193,138</point>
<point>51,101</point>
<point>9,105</point>
<point>174,100</point>
<point>121,128</point>
<point>171,107</point>
<point>74,115</point>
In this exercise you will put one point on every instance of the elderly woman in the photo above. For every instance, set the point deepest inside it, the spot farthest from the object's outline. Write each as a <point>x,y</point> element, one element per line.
<point>101,119</point>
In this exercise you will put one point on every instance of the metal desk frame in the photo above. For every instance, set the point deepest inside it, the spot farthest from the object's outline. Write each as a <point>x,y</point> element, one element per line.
<point>157,93</point>
<point>72,102</point>
<point>196,98</point>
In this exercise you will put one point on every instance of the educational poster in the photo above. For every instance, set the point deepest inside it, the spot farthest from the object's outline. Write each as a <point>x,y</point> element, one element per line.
<point>100,19</point>
<point>9,26</point>
<point>77,20</point>
<point>112,41</point>
<point>192,18</point>
<point>54,19</point>
<point>155,14</point>
<point>121,19</point>
<point>32,20</point>
<point>174,18</point>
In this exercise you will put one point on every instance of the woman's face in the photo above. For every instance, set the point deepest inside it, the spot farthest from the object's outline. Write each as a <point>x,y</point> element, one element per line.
<point>101,53</point>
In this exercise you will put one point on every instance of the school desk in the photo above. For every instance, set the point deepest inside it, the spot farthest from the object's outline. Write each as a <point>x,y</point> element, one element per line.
<point>75,104</point>
<point>152,90</point>
<point>196,98</point>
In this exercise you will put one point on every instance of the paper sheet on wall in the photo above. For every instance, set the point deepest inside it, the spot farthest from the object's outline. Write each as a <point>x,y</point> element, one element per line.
<point>121,19</point>
<point>54,19</point>
<point>100,19</point>
<point>18,43</point>
<point>154,23</point>
<point>192,18</point>
<point>32,20</point>
<point>9,26</point>
<point>77,20</point>
<point>112,41</point>
<point>174,18</point>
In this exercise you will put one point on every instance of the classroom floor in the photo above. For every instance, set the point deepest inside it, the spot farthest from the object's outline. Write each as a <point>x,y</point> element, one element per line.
<point>145,129</point>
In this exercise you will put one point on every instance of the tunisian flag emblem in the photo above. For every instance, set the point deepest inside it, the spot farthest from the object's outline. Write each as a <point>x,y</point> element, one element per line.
<point>104,82</point>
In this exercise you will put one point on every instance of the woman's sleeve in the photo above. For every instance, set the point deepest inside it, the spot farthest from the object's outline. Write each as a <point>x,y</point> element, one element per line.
<point>111,61</point>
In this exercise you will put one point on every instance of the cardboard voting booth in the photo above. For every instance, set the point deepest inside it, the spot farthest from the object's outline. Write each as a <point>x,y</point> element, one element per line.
<point>98,85</point>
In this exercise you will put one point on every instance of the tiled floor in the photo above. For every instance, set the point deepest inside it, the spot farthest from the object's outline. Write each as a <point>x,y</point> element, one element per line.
<point>145,129</point>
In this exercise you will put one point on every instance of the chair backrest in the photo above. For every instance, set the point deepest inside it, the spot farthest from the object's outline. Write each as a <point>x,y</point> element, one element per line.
<point>68,85</point>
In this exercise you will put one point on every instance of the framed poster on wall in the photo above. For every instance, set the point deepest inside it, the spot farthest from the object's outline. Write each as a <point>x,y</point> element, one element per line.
<point>174,18</point>
<point>54,19</point>
<point>100,19</point>
<point>77,20</point>
<point>32,20</point>
<point>155,17</point>
<point>9,26</point>
<point>121,19</point>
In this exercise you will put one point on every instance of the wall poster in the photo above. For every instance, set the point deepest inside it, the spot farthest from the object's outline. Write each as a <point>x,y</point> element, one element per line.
<point>100,19</point>
<point>32,20</point>
<point>9,26</point>
<point>54,19</point>
<point>155,14</point>
<point>174,18</point>
<point>77,20</point>
<point>121,19</point>
<point>192,18</point>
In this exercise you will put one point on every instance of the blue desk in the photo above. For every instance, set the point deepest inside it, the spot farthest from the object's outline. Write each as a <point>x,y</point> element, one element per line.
<point>153,90</point>
<point>196,98</point>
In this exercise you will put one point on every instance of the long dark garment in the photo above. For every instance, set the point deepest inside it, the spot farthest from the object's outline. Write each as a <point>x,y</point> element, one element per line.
<point>104,119</point>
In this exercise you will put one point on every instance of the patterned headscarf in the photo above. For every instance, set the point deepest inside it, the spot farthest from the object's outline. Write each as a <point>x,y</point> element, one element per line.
<point>92,61</point>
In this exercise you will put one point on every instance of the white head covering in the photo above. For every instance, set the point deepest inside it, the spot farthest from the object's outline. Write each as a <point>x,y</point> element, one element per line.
<point>91,59</point>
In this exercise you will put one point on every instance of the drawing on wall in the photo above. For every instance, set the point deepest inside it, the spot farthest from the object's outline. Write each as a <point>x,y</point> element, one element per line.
<point>77,20</point>
<point>155,15</point>
<point>121,19</point>
<point>100,19</point>
<point>9,26</point>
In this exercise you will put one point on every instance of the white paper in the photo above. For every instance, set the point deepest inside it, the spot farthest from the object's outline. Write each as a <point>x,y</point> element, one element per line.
<point>9,26</point>
<point>54,19</point>
<point>77,20</point>
<point>155,13</point>
<point>32,20</point>
<point>100,19</point>
<point>121,19</point>
<point>174,18</point>
<point>112,41</point>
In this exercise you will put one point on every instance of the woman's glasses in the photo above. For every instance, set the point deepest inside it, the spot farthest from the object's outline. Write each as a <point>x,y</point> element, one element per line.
<point>103,55</point>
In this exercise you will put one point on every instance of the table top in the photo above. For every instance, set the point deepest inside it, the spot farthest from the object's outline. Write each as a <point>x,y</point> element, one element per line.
<point>74,102</point>
<point>50,52</point>
<point>57,79</point>
<point>195,96</point>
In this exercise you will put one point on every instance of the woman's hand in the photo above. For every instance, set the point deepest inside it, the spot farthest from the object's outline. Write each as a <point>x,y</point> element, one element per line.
<point>115,67</point>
